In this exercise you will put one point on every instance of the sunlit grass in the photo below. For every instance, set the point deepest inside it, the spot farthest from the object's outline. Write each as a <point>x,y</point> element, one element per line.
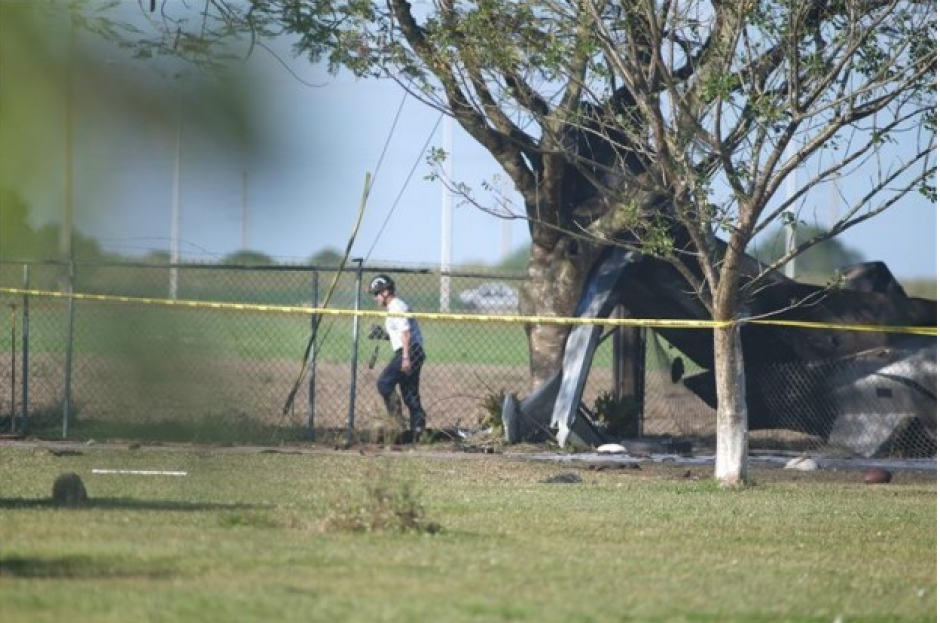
<point>276,535</point>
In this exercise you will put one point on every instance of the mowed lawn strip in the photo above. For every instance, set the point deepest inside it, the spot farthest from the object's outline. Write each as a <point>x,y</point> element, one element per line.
<point>317,535</point>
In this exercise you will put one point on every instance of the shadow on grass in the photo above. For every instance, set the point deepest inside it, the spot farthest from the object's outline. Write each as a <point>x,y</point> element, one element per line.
<point>120,504</point>
<point>83,568</point>
<point>233,428</point>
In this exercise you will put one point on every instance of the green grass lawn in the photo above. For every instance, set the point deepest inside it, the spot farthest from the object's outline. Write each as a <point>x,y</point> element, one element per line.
<point>252,535</point>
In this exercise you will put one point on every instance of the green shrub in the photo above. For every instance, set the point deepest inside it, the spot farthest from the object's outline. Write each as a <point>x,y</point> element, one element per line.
<point>618,415</point>
<point>388,506</point>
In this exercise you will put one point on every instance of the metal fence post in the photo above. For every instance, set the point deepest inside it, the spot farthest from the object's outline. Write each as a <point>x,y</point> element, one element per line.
<point>351,418</point>
<point>69,339</point>
<point>12,368</point>
<point>312,386</point>
<point>24,361</point>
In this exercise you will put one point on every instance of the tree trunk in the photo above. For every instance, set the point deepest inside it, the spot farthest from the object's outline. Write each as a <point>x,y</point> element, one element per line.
<point>556,276</point>
<point>732,441</point>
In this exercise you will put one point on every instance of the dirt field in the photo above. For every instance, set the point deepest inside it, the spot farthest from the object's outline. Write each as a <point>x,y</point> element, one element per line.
<point>241,400</point>
<point>157,389</point>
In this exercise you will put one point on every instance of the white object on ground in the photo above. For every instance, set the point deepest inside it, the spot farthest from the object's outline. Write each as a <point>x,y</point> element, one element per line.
<point>611,448</point>
<point>802,463</point>
<point>139,472</point>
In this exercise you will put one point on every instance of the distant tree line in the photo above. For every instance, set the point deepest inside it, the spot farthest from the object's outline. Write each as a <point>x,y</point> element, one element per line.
<point>21,240</point>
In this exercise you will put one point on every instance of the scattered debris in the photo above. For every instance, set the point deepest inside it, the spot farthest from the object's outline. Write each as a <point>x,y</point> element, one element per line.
<point>877,476</point>
<point>802,463</point>
<point>566,478</point>
<point>599,467</point>
<point>65,452</point>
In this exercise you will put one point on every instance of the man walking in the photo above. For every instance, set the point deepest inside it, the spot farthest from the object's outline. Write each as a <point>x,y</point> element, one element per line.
<point>404,370</point>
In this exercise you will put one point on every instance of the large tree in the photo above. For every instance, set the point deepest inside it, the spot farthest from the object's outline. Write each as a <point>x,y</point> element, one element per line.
<point>670,126</point>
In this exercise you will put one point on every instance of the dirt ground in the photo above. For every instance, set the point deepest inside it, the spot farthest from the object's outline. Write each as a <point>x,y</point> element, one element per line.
<point>122,389</point>
<point>556,465</point>
<point>132,396</point>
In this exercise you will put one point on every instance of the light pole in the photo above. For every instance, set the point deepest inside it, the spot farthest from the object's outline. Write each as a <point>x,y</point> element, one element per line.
<point>244,240</point>
<point>175,208</point>
<point>789,269</point>
<point>68,208</point>
<point>447,208</point>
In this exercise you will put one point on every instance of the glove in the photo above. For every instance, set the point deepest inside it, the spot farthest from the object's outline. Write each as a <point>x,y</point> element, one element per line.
<point>377,333</point>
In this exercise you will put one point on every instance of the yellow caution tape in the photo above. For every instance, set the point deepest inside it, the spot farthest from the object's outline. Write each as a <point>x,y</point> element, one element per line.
<point>609,322</point>
<point>847,327</point>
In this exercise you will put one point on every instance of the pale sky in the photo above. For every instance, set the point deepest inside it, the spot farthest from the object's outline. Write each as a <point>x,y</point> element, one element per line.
<point>304,187</point>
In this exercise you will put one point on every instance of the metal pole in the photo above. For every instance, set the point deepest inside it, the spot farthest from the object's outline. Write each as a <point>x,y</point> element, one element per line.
<point>68,208</point>
<point>244,210</point>
<point>69,339</point>
<point>175,211</point>
<point>789,269</point>
<point>351,417</point>
<point>24,361</point>
<point>312,387</point>
<point>13,368</point>
<point>447,209</point>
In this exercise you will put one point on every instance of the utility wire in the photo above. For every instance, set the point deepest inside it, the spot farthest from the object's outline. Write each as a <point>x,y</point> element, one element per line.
<point>401,192</point>
<point>370,180</point>
<point>313,335</point>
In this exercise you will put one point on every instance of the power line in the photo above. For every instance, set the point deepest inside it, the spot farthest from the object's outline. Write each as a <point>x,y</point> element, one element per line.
<point>405,185</point>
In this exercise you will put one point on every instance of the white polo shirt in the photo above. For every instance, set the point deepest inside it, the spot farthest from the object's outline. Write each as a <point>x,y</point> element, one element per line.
<point>395,325</point>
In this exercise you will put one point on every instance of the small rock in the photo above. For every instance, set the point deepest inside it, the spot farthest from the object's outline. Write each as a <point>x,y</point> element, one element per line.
<point>68,490</point>
<point>877,476</point>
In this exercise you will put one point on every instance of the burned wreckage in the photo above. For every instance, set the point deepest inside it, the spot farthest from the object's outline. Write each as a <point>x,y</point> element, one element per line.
<point>854,389</point>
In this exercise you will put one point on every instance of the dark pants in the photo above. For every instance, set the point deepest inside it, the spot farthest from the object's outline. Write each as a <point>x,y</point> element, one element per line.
<point>410,385</point>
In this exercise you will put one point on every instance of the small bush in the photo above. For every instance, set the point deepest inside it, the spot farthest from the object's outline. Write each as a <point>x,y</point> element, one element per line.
<point>388,506</point>
<point>492,406</point>
<point>619,416</point>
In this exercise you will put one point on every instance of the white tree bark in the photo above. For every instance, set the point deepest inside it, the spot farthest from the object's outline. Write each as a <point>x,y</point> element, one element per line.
<point>732,431</point>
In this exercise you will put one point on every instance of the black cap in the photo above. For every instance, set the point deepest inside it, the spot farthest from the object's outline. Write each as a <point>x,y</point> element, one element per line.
<point>381,283</point>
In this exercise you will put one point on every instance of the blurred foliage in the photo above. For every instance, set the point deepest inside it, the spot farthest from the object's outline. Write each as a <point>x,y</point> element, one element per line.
<point>822,258</point>
<point>30,94</point>
<point>326,257</point>
<point>518,260</point>
<point>248,258</point>
<point>73,89</point>
<point>19,240</point>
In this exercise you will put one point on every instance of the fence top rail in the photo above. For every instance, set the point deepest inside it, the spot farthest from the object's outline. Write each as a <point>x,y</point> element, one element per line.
<point>477,274</point>
<point>611,322</point>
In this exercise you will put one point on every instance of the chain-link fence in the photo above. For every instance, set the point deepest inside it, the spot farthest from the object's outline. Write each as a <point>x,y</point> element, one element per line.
<point>213,354</point>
